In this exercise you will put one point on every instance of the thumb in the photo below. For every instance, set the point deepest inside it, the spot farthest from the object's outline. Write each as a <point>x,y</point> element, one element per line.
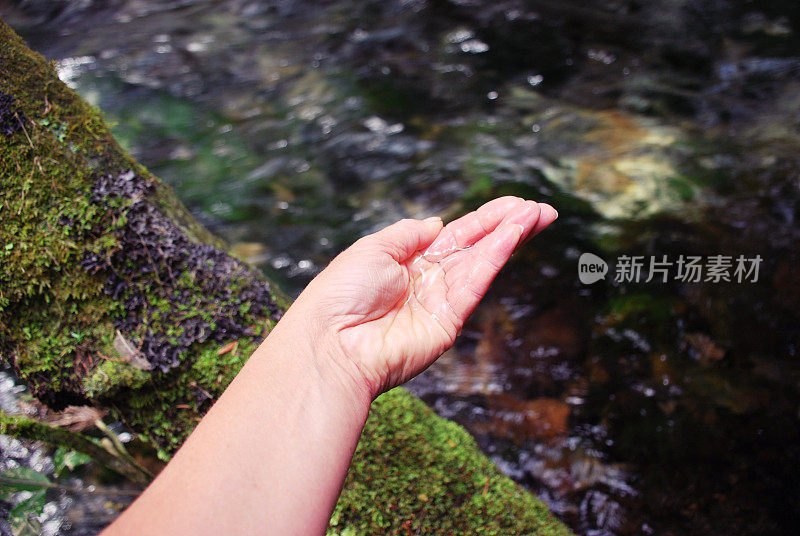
<point>406,237</point>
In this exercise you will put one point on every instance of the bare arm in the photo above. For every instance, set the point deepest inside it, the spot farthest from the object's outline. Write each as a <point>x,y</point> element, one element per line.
<point>270,457</point>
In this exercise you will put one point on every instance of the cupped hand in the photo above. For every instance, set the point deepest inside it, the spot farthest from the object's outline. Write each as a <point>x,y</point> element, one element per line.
<point>389,305</point>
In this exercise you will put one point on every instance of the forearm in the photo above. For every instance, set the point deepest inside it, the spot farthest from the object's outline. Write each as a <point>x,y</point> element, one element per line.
<point>271,455</point>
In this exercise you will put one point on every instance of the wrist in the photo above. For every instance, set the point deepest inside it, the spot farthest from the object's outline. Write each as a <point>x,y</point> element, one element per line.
<point>312,349</point>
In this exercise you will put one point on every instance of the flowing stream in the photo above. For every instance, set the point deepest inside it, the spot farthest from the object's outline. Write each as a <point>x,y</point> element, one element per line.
<point>657,129</point>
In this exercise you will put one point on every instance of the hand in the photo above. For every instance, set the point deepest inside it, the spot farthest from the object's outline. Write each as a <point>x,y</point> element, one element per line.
<point>389,305</point>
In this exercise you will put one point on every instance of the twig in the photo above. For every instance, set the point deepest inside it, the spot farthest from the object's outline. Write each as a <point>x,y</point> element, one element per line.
<point>70,489</point>
<point>19,120</point>
<point>24,427</point>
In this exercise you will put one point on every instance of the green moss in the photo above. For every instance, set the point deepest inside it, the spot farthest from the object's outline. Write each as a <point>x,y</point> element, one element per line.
<point>49,223</point>
<point>415,473</point>
<point>215,370</point>
<point>110,376</point>
<point>46,216</point>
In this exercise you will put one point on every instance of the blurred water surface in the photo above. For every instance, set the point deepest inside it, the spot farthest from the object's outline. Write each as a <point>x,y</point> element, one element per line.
<point>669,127</point>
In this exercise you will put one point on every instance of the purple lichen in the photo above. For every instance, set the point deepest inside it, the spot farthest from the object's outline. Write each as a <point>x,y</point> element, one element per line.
<point>11,115</point>
<point>175,292</point>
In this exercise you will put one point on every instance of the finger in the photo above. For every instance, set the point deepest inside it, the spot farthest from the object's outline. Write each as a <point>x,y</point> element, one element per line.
<point>527,215</point>
<point>476,270</point>
<point>547,215</point>
<point>406,237</point>
<point>470,280</point>
<point>467,230</point>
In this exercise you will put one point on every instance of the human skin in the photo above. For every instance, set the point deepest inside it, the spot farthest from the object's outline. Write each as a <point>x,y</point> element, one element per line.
<point>271,455</point>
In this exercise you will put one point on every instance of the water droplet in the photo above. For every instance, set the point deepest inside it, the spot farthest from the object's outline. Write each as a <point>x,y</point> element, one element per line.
<point>474,46</point>
<point>535,80</point>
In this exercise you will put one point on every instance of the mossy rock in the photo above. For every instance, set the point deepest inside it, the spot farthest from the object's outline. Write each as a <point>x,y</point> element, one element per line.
<point>416,473</point>
<point>111,294</point>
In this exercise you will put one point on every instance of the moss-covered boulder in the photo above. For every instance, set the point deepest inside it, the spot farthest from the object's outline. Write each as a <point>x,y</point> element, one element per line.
<point>111,294</point>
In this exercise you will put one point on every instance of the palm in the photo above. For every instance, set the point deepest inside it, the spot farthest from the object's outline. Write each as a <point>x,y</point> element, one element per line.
<point>401,296</point>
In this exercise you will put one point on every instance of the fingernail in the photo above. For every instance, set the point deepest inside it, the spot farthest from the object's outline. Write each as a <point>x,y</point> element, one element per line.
<point>515,231</point>
<point>432,219</point>
<point>548,211</point>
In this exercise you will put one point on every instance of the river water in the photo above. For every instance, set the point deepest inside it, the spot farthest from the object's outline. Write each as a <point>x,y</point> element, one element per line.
<point>658,130</point>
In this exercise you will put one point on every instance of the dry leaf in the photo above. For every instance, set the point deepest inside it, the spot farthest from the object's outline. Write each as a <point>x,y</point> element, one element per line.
<point>231,346</point>
<point>76,418</point>
<point>131,354</point>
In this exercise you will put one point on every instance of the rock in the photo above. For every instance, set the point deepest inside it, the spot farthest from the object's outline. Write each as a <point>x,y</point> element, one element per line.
<point>250,252</point>
<point>540,418</point>
<point>703,348</point>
